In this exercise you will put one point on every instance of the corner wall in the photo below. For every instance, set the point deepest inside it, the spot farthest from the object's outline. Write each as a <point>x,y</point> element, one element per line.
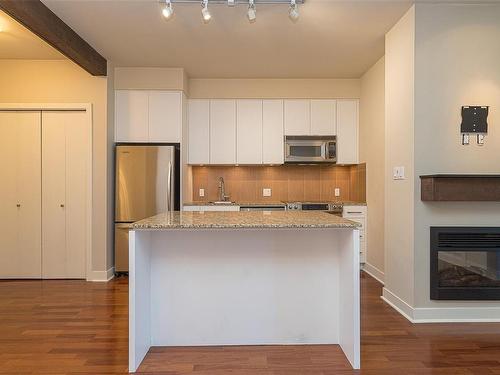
<point>399,138</point>
<point>372,152</point>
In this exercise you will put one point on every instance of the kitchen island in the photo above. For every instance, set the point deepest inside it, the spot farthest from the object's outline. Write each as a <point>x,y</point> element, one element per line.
<point>244,278</point>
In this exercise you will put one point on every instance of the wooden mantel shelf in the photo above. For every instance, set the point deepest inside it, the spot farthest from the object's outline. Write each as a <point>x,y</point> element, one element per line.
<point>461,187</point>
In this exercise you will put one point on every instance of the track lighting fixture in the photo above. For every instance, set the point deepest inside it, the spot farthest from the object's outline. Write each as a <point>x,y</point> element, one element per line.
<point>167,10</point>
<point>252,11</point>
<point>293,12</point>
<point>167,7</point>
<point>205,12</point>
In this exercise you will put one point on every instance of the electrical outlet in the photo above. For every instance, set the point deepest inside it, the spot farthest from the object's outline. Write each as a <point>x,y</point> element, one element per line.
<point>398,173</point>
<point>201,193</point>
<point>266,192</point>
<point>337,192</point>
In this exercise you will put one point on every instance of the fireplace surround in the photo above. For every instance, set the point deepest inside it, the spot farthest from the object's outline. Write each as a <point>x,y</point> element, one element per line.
<point>465,263</point>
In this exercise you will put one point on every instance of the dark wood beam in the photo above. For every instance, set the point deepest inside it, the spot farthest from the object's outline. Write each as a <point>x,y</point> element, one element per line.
<point>40,20</point>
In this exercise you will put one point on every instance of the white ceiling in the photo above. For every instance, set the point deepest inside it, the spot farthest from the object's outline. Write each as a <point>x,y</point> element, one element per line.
<point>16,42</point>
<point>332,39</point>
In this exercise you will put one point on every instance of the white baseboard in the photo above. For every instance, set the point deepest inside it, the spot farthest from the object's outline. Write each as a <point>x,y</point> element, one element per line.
<point>101,276</point>
<point>397,304</point>
<point>478,314</point>
<point>374,272</point>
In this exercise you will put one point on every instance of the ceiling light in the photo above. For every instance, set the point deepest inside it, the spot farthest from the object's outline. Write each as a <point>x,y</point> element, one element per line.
<point>293,12</point>
<point>230,3</point>
<point>167,10</point>
<point>252,11</point>
<point>205,12</point>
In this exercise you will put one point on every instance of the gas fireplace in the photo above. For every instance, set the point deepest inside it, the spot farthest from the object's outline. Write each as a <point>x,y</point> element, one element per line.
<point>465,263</point>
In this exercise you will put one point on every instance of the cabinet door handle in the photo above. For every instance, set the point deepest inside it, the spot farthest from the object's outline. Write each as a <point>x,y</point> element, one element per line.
<point>354,212</point>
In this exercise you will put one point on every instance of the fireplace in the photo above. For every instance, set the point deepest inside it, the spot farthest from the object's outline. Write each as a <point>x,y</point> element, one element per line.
<point>465,263</point>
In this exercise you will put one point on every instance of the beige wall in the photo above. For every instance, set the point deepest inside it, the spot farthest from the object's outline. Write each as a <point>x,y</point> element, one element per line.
<point>372,152</point>
<point>61,81</point>
<point>274,88</point>
<point>399,124</point>
<point>462,44</point>
<point>110,165</point>
<point>150,78</point>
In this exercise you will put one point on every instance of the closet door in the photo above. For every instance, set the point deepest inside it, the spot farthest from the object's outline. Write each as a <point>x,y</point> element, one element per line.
<point>65,148</point>
<point>20,192</point>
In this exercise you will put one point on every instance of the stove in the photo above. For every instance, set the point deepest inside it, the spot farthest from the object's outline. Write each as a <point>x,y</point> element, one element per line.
<point>335,208</point>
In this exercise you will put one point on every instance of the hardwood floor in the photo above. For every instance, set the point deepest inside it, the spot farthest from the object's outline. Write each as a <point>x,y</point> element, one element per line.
<point>74,327</point>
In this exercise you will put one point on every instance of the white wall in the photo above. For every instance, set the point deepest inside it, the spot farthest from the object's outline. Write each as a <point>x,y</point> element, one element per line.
<point>399,124</point>
<point>457,63</point>
<point>372,152</point>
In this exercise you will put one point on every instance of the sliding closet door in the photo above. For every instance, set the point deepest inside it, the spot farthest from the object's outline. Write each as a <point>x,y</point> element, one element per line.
<point>20,195</point>
<point>65,176</point>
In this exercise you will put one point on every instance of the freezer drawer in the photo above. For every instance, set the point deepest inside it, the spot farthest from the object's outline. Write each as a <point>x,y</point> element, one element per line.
<point>121,247</point>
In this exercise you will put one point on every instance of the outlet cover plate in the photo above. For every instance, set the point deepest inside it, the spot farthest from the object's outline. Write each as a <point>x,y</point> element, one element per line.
<point>201,193</point>
<point>398,173</point>
<point>266,192</point>
<point>337,192</point>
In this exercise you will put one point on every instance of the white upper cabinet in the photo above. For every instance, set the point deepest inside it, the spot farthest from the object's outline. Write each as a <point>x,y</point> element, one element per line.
<point>223,131</point>
<point>347,131</point>
<point>323,121</point>
<point>272,132</point>
<point>148,116</point>
<point>297,117</point>
<point>249,131</point>
<point>199,131</point>
<point>131,115</point>
<point>165,116</point>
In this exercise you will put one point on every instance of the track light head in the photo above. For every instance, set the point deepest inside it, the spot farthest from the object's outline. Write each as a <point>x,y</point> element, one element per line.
<point>252,11</point>
<point>205,12</point>
<point>293,12</point>
<point>231,3</point>
<point>168,10</point>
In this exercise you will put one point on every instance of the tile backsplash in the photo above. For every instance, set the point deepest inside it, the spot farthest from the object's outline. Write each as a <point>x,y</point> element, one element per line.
<point>287,182</point>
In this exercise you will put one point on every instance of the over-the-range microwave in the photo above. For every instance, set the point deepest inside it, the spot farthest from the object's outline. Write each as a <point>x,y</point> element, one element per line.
<point>310,149</point>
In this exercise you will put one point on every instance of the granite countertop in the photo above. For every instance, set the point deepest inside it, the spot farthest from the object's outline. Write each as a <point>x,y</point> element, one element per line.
<point>345,203</point>
<point>235,220</point>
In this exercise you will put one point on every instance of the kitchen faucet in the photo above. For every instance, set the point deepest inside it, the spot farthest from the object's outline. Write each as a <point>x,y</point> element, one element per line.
<point>222,190</point>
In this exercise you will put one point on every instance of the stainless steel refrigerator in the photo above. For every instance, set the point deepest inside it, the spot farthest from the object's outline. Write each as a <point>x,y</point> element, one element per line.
<point>146,184</point>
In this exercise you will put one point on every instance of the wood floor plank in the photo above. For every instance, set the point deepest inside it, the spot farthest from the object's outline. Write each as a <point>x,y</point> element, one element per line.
<point>73,327</point>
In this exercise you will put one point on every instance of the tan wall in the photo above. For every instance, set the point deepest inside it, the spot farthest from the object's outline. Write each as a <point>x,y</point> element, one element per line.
<point>110,183</point>
<point>26,81</point>
<point>288,183</point>
<point>372,152</point>
<point>274,88</point>
<point>150,78</point>
<point>462,42</point>
<point>399,124</point>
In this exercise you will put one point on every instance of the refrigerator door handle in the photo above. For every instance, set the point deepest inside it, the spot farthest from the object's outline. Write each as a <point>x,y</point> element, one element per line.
<point>169,187</point>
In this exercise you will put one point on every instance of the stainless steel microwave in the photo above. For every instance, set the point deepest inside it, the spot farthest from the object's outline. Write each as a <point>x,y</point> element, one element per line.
<point>310,149</point>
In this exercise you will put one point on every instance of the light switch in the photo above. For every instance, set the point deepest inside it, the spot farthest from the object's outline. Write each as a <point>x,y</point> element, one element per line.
<point>266,192</point>
<point>201,193</point>
<point>398,173</point>
<point>337,192</point>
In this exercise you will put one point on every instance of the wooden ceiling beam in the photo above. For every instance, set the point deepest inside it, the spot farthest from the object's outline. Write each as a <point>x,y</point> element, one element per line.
<point>39,19</point>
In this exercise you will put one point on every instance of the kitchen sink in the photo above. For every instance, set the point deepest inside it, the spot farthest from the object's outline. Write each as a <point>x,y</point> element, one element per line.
<point>222,203</point>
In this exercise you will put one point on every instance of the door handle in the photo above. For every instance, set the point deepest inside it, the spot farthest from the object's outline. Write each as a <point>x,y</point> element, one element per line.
<point>62,205</point>
<point>18,205</point>
<point>169,187</point>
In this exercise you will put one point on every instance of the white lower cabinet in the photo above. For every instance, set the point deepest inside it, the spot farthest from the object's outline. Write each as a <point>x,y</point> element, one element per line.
<point>207,207</point>
<point>45,169</point>
<point>359,215</point>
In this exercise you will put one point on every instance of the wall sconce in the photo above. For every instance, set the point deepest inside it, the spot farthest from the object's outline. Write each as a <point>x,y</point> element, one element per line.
<point>474,121</point>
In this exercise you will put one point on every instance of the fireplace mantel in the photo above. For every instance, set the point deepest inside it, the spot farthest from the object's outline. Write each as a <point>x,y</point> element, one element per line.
<point>460,187</point>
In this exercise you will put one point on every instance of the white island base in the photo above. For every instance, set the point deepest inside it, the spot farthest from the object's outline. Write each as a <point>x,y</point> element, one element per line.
<point>196,287</point>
